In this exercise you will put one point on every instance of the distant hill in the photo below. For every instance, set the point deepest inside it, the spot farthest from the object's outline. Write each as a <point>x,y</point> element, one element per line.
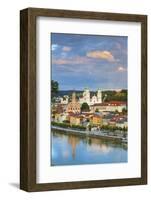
<point>67,92</point>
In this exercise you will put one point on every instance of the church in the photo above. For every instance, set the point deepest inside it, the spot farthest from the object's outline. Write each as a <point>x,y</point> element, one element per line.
<point>74,106</point>
<point>96,98</point>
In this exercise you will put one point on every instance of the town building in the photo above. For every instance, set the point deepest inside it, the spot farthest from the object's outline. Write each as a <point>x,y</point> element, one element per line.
<point>76,120</point>
<point>96,120</point>
<point>106,119</point>
<point>64,99</point>
<point>96,98</point>
<point>111,106</point>
<point>60,117</point>
<point>73,106</point>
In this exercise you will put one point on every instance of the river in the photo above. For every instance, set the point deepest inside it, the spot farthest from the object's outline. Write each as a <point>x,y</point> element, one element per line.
<point>69,149</point>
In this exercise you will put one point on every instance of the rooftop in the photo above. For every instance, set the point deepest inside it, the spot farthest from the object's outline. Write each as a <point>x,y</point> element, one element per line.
<point>111,103</point>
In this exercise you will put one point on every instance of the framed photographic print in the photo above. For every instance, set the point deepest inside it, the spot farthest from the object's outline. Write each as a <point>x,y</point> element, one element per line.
<point>83,92</point>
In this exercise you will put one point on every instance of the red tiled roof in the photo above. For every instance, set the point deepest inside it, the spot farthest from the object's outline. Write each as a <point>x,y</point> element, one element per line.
<point>76,115</point>
<point>97,116</point>
<point>100,104</point>
<point>111,103</point>
<point>117,102</point>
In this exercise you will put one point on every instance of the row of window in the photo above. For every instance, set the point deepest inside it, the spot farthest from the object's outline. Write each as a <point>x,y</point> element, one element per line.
<point>73,108</point>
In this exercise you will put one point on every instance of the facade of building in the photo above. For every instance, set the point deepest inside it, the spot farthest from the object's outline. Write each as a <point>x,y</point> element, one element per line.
<point>96,120</point>
<point>60,117</point>
<point>109,106</point>
<point>91,100</point>
<point>64,99</point>
<point>76,120</point>
<point>73,106</point>
<point>68,110</point>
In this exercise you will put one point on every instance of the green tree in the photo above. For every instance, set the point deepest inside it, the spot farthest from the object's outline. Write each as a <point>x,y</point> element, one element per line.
<point>54,88</point>
<point>116,111</point>
<point>114,95</point>
<point>85,107</point>
<point>124,111</point>
<point>97,110</point>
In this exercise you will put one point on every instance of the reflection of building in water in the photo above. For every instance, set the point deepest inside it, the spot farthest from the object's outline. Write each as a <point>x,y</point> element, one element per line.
<point>96,141</point>
<point>73,141</point>
<point>98,145</point>
<point>101,149</point>
<point>94,144</point>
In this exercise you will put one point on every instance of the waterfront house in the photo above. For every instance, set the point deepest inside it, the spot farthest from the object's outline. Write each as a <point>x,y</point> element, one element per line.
<point>75,119</point>
<point>106,119</point>
<point>60,117</point>
<point>96,119</point>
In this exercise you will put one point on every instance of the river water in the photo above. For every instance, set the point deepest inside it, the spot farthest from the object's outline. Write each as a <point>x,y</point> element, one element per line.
<point>67,149</point>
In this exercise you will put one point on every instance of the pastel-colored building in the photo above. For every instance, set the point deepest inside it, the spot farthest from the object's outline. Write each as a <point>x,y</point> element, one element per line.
<point>75,119</point>
<point>111,106</point>
<point>60,117</point>
<point>73,106</point>
<point>64,99</point>
<point>96,119</point>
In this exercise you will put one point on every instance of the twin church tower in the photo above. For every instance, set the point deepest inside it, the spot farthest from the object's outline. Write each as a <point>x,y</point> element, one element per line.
<point>87,97</point>
<point>90,100</point>
<point>75,106</point>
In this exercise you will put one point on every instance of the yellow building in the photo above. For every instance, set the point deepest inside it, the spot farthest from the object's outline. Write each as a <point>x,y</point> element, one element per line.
<point>56,117</point>
<point>96,120</point>
<point>75,120</point>
<point>60,117</point>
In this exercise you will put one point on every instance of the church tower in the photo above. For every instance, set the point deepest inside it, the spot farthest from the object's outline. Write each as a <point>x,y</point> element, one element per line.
<point>73,97</point>
<point>86,96</point>
<point>99,96</point>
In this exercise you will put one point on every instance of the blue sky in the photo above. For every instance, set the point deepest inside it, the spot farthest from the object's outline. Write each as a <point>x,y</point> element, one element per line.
<point>80,61</point>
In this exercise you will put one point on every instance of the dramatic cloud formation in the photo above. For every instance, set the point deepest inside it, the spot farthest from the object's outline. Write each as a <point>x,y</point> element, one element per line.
<point>94,61</point>
<point>66,48</point>
<point>105,55</point>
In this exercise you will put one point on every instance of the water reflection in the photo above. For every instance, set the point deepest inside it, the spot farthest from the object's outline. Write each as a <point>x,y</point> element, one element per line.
<point>73,150</point>
<point>73,141</point>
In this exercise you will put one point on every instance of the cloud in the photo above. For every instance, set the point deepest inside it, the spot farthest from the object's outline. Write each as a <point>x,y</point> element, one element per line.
<point>54,47</point>
<point>121,69</point>
<point>71,61</point>
<point>60,61</point>
<point>105,55</point>
<point>66,48</point>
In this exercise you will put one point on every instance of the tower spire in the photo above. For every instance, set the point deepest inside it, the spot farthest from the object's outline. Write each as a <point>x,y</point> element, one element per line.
<point>73,97</point>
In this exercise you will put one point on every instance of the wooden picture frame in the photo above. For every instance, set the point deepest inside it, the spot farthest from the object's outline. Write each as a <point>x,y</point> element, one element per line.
<point>28,98</point>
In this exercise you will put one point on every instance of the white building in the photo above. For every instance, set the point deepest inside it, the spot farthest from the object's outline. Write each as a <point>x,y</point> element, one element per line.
<point>91,100</point>
<point>111,106</point>
<point>64,99</point>
<point>61,117</point>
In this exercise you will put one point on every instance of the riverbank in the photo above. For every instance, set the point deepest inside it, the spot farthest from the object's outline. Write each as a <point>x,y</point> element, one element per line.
<point>96,134</point>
